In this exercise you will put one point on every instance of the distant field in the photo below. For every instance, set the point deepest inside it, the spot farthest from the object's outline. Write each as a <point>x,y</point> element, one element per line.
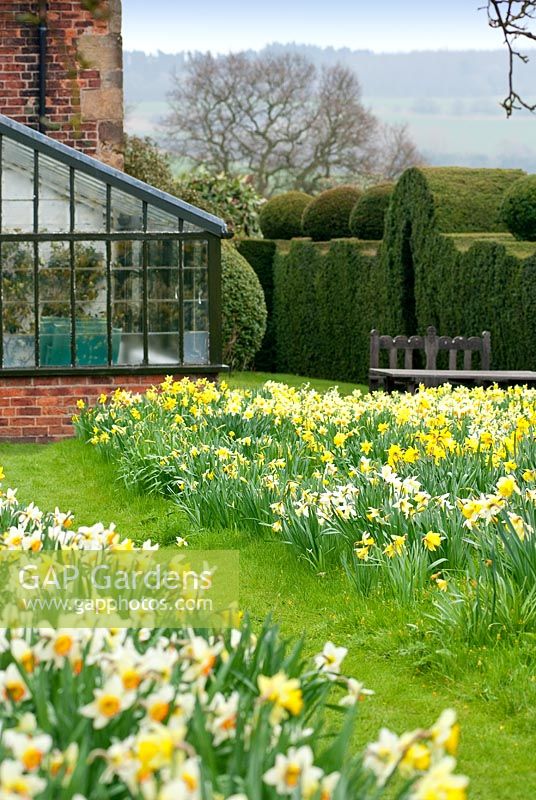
<point>464,132</point>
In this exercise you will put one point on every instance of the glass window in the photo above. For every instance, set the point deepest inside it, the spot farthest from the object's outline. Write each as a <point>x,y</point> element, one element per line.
<point>195,303</point>
<point>54,196</point>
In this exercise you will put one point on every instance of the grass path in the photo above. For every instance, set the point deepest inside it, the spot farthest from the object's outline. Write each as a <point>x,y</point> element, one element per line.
<point>498,743</point>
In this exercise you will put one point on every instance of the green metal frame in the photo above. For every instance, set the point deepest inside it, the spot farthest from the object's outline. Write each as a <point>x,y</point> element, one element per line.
<point>212,230</point>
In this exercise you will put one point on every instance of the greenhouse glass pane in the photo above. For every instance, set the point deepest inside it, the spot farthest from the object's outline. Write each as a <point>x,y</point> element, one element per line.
<point>53,196</point>
<point>17,187</point>
<point>127,212</point>
<point>164,253</point>
<point>90,204</point>
<point>18,320</point>
<point>195,303</point>
<point>164,348</point>
<point>159,220</point>
<point>127,302</point>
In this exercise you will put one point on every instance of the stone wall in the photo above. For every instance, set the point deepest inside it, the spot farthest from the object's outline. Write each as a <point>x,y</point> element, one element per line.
<point>84,96</point>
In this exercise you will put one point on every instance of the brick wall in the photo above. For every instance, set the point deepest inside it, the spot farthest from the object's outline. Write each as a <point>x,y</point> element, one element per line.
<point>39,409</point>
<point>84,98</point>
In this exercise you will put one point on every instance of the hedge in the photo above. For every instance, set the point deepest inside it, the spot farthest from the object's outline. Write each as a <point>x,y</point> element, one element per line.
<point>326,302</point>
<point>431,280</point>
<point>468,199</point>
<point>260,253</point>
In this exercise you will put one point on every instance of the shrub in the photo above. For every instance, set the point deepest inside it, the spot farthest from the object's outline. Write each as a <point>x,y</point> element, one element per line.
<point>328,215</point>
<point>367,219</point>
<point>281,217</point>
<point>261,253</point>
<point>519,208</point>
<point>234,198</point>
<point>146,162</point>
<point>243,309</point>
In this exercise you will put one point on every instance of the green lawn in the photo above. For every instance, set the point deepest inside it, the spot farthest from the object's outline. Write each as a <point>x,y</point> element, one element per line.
<point>493,701</point>
<point>252,380</point>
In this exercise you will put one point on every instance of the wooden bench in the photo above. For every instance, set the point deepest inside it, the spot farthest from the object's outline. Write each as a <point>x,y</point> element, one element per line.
<point>408,375</point>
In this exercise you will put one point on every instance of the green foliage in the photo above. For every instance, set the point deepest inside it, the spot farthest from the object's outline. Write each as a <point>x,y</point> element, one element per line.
<point>281,217</point>
<point>367,219</point>
<point>459,290</point>
<point>467,199</point>
<point>260,253</point>
<point>325,306</point>
<point>327,217</point>
<point>519,208</point>
<point>234,198</point>
<point>146,162</point>
<point>243,309</point>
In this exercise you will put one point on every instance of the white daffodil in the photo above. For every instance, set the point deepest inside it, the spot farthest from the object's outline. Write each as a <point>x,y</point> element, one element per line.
<point>158,704</point>
<point>202,657</point>
<point>12,685</point>
<point>445,733</point>
<point>186,785</point>
<point>223,723</point>
<point>293,771</point>
<point>58,646</point>
<point>356,691</point>
<point>108,703</point>
<point>330,660</point>
<point>29,750</point>
<point>15,784</point>
<point>381,757</point>
<point>328,784</point>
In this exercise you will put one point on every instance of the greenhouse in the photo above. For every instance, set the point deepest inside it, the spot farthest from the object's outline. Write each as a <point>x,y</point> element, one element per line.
<point>100,272</point>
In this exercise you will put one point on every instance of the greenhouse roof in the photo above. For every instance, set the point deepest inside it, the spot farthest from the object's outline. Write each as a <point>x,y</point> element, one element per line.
<point>99,174</point>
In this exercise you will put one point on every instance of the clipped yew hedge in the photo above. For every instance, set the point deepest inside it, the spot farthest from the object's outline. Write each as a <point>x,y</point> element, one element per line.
<point>431,280</point>
<point>468,200</point>
<point>260,254</point>
<point>326,302</point>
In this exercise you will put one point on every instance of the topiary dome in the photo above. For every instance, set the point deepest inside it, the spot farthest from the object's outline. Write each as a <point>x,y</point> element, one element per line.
<point>281,217</point>
<point>328,216</point>
<point>519,208</point>
<point>243,309</point>
<point>368,215</point>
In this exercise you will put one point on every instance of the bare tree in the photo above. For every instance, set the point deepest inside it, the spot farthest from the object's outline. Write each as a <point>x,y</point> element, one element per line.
<point>396,152</point>
<point>517,20</point>
<point>276,117</point>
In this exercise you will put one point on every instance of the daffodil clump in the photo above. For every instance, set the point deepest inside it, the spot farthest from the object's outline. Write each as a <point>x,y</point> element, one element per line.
<point>429,492</point>
<point>183,714</point>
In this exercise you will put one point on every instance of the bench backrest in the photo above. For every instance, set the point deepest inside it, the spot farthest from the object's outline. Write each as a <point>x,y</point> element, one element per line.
<point>431,345</point>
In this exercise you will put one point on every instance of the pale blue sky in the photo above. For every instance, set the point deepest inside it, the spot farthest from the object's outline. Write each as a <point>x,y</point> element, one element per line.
<point>379,25</point>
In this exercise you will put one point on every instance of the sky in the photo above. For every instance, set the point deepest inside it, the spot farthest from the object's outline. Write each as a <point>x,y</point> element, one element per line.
<point>379,25</point>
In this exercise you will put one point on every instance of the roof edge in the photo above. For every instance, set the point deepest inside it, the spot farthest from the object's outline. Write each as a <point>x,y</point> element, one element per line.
<point>113,176</point>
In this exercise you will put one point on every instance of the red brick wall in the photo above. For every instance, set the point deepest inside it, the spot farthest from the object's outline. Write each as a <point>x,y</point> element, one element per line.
<point>84,102</point>
<point>39,409</point>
